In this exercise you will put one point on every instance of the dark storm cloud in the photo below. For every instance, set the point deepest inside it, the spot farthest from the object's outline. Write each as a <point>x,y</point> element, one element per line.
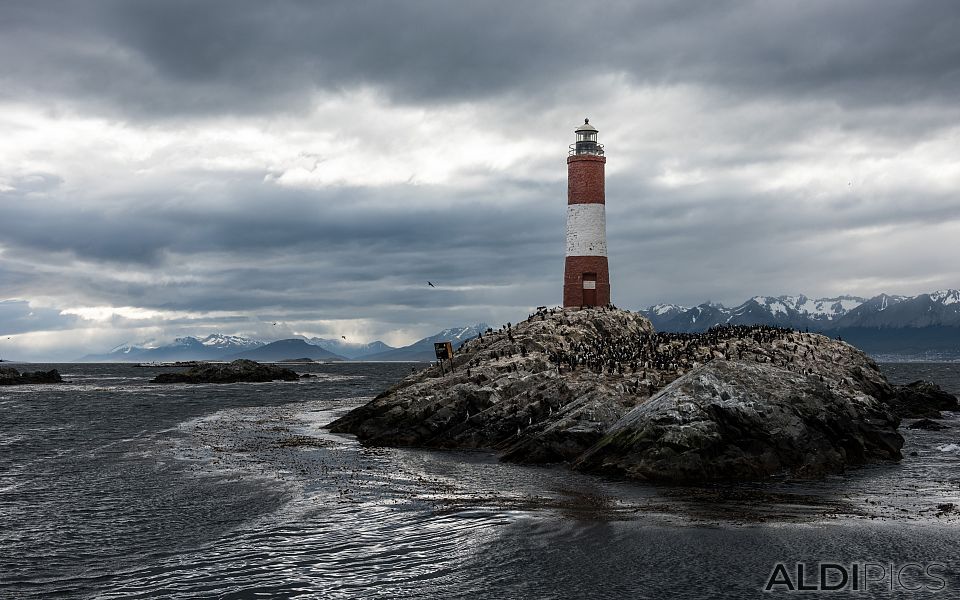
<point>17,316</point>
<point>746,92</point>
<point>180,57</point>
<point>257,245</point>
<point>248,216</point>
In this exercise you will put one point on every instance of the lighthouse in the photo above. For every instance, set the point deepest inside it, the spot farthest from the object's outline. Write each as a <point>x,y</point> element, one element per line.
<point>586,278</point>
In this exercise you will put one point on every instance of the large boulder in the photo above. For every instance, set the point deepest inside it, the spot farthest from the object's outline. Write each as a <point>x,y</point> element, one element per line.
<point>921,399</point>
<point>741,420</point>
<point>241,370</point>
<point>927,425</point>
<point>10,376</point>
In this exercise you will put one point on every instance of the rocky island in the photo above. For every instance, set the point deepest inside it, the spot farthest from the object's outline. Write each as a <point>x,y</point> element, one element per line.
<point>10,376</point>
<point>240,370</point>
<point>600,390</point>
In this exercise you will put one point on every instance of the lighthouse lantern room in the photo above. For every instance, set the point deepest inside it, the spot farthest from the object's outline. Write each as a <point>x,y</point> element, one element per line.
<point>586,278</point>
<point>586,140</point>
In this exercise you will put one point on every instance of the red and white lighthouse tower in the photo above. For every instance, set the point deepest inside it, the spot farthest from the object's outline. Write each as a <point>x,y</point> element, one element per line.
<point>586,278</point>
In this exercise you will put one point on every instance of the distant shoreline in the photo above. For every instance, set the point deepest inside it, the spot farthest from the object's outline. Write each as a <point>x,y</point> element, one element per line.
<point>882,359</point>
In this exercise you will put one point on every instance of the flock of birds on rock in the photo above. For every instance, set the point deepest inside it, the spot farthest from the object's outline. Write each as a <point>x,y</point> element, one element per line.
<point>662,351</point>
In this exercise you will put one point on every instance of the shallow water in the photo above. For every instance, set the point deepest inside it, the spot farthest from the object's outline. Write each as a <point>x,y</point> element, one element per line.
<point>111,487</point>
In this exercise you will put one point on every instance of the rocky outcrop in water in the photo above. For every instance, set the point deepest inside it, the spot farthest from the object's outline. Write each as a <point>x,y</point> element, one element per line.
<point>10,376</point>
<point>927,425</point>
<point>922,399</point>
<point>740,420</point>
<point>240,370</point>
<point>506,392</point>
<point>550,388</point>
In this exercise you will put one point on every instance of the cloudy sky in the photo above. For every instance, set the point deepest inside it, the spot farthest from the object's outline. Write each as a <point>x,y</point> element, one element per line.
<point>182,167</point>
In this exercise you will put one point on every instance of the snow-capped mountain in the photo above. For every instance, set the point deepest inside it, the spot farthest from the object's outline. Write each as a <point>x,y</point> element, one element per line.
<point>422,350</point>
<point>884,324</point>
<point>230,342</point>
<point>213,347</point>
<point>667,310</point>
<point>128,349</point>
<point>926,310</point>
<point>457,334</point>
<point>218,346</point>
<point>696,318</point>
<point>820,309</point>
<point>941,308</point>
<point>946,297</point>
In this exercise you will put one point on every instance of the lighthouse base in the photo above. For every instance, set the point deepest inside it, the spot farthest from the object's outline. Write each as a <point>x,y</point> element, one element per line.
<point>586,281</point>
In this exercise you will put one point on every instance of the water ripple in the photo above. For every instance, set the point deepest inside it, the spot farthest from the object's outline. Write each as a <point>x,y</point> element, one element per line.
<point>116,488</point>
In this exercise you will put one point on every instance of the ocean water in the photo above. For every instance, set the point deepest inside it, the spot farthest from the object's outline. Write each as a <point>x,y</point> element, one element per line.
<point>112,487</point>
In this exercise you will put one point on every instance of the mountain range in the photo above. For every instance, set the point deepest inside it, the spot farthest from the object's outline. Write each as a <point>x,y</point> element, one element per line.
<point>922,326</point>
<point>213,347</point>
<point>422,350</point>
<point>926,326</point>
<point>230,347</point>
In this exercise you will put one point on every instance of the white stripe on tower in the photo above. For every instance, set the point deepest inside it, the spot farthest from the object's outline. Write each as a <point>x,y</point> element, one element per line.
<point>586,230</point>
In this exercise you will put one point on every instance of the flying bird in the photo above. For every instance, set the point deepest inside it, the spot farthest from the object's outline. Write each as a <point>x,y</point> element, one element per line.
<point>343,336</point>
<point>430,283</point>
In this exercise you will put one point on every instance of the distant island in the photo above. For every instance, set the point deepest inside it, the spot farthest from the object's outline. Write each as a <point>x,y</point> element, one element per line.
<point>9,376</point>
<point>238,371</point>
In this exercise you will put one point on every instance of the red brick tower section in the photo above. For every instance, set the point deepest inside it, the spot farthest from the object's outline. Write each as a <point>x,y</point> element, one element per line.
<point>586,277</point>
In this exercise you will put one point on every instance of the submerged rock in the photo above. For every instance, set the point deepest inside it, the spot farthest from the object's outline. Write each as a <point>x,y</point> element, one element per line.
<point>241,370</point>
<point>922,399</point>
<point>10,376</point>
<point>926,425</point>
<point>738,420</point>
<point>549,388</point>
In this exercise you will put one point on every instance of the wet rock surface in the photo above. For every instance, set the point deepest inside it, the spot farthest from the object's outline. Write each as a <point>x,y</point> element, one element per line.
<point>241,370</point>
<point>10,376</point>
<point>738,420</point>
<point>922,399</point>
<point>551,388</point>
<point>927,425</point>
